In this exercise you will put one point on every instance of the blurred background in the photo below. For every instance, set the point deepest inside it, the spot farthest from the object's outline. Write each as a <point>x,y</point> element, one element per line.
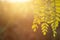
<point>16,22</point>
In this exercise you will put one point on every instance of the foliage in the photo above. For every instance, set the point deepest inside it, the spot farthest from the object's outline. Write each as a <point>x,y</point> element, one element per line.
<point>46,12</point>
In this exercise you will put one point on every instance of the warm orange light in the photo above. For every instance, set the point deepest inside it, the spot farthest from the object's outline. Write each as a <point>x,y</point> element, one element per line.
<point>18,7</point>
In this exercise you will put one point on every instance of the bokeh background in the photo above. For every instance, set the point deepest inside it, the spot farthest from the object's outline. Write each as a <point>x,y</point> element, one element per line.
<point>17,25</point>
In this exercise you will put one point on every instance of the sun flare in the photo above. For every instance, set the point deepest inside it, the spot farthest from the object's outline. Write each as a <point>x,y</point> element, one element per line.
<point>14,1</point>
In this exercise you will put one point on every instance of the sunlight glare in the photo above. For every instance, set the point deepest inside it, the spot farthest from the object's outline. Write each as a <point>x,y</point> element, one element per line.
<point>14,1</point>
